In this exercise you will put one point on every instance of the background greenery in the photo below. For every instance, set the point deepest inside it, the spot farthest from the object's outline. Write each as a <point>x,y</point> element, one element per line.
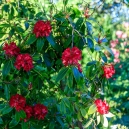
<point>116,90</point>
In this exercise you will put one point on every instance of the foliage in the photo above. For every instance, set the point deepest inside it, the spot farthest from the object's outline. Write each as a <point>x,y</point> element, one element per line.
<point>67,92</point>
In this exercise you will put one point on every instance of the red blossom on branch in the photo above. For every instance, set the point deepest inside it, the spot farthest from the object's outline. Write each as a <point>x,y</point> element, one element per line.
<point>11,49</point>
<point>17,101</point>
<point>108,70</point>
<point>71,56</point>
<point>102,106</point>
<point>42,29</point>
<point>29,112</point>
<point>24,61</point>
<point>40,111</point>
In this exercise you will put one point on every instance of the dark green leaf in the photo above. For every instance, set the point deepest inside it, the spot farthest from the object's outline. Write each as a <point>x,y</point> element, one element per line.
<point>24,125</point>
<point>19,115</point>
<point>65,2</point>
<point>6,110</point>
<point>66,101</point>
<point>31,40</point>
<point>26,25</point>
<point>89,27</point>
<point>1,121</point>
<point>52,125</point>
<point>51,41</point>
<point>76,74</point>
<point>6,68</point>
<point>62,74</point>
<point>13,123</point>
<point>47,59</point>
<point>6,92</point>
<point>40,43</point>
<point>60,121</point>
<point>90,43</point>
<point>62,108</point>
<point>91,63</point>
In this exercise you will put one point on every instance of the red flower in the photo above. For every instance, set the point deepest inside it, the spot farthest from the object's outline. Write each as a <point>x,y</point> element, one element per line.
<point>42,28</point>
<point>24,61</point>
<point>108,70</point>
<point>71,56</point>
<point>17,101</point>
<point>29,112</point>
<point>102,106</point>
<point>11,49</point>
<point>40,111</point>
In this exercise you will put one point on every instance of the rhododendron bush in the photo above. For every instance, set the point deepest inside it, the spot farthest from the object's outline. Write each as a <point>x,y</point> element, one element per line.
<point>44,80</point>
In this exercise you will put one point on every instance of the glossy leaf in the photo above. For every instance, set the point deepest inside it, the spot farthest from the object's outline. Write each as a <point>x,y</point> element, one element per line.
<point>1,121</point>
<point>62,74</point>
<point>51,41</point>
<point>6,92</point>
<point>6,110</point>
<point>92,109</point>
<point>13,123</point>
<point>83,112</point>
<point>88,124</point>
<point>31,40</point>
<point>24,125</point>
<point>90,43</point>
<point>6,68</point>
<point>76,74</point>
<point>40,44</point>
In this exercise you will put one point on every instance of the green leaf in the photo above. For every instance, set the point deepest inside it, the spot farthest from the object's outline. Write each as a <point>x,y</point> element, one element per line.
<point>19,115</point>
<point>51,41</point>
<point>76,74</point>
<point>88,124</point>
<point>13,123</point>
<point>109,50</point>
<point>1,121</point>
<point>92,109</point>
<point>40,43</point>
<point>84,113</point>
<point>31,40</point>
<point>24,125</point>
<point>52,125</point>
<point>6,92</point>
<point>6,68</point>
<point>62,74</point>
<point>62,108</point>
<point>90,43</point>
<point>66,101</point>
<point>65,2</point>
<point>60,121</point>
<point>6,110</point>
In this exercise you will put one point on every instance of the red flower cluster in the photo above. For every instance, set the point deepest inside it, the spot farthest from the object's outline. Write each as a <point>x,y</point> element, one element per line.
<point>102,106</point>
<point>18,102</point>
<point>71,56</point>
<point>11,49</point>
<point>42,28</point>
<point>29,112</point>
<point>40,111</point>
<point>24,61</point>
<point>108,70</point>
